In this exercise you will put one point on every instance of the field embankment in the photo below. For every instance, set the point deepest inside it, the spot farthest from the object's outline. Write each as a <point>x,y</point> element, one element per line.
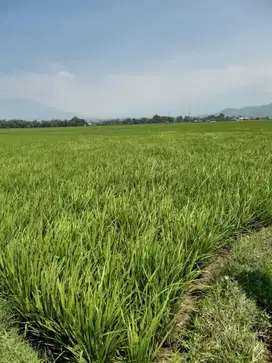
<point>232,323</point>
<point>103,229</point>
<point>13,348</point>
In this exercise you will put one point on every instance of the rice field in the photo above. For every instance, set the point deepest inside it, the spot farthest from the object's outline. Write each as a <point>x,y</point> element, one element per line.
<point>104,228</point>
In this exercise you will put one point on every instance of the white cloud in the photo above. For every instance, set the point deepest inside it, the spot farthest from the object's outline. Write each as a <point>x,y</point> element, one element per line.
<point>66,75</point>
<point>137,94</point>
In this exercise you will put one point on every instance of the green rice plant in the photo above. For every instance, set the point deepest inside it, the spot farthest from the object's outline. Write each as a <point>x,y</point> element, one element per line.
<point>104,228</point>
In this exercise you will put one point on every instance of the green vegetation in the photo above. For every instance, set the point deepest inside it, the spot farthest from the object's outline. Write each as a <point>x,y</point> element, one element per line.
<point>103,229</point>
<point>75,121</point>
<point>23,124</point>
<point>13,349</point>
<point>233,322</point>
<point>226,328</point>
<point>157,119</point>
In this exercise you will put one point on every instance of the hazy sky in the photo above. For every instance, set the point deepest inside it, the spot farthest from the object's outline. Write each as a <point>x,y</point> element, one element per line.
<point>107,58</point>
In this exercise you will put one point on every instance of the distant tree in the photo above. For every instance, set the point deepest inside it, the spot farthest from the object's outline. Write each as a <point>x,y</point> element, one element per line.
<point>179,119</point>
<point>156,119</point>
<point>5,124</point>
<point>75,121</point>
<point>187,119</point>
<point>221,117</point>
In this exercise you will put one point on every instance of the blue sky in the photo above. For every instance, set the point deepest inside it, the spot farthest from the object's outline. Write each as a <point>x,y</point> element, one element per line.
<point>107,58</point>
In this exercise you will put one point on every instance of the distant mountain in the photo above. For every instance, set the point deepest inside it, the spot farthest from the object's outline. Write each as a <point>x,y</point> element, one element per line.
<point>251,111</point>
<point>11,108</point>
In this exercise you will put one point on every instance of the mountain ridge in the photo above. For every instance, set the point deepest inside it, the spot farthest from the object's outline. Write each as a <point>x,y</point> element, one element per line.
<point>13,108</point>
<point>249,111</point>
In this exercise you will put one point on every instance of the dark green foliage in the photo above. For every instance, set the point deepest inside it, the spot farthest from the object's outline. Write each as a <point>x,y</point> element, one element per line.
<point>22,124</point>
<point>75,121</point>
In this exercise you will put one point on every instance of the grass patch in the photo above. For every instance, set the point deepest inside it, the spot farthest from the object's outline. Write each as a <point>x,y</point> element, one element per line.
<point>13,348</point>
<point>233,322</point>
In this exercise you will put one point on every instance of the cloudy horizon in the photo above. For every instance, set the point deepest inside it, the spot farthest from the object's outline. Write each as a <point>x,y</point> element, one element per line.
<point>125,58</point>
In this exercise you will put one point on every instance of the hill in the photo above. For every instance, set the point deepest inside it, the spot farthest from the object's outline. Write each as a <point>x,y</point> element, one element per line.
<point>11,108</point>
<point>251,111</point>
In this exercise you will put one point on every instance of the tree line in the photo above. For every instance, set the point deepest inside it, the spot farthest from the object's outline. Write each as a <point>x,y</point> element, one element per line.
<point>75,121</point>
<point>22,124</point>
<point>156,119</point>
